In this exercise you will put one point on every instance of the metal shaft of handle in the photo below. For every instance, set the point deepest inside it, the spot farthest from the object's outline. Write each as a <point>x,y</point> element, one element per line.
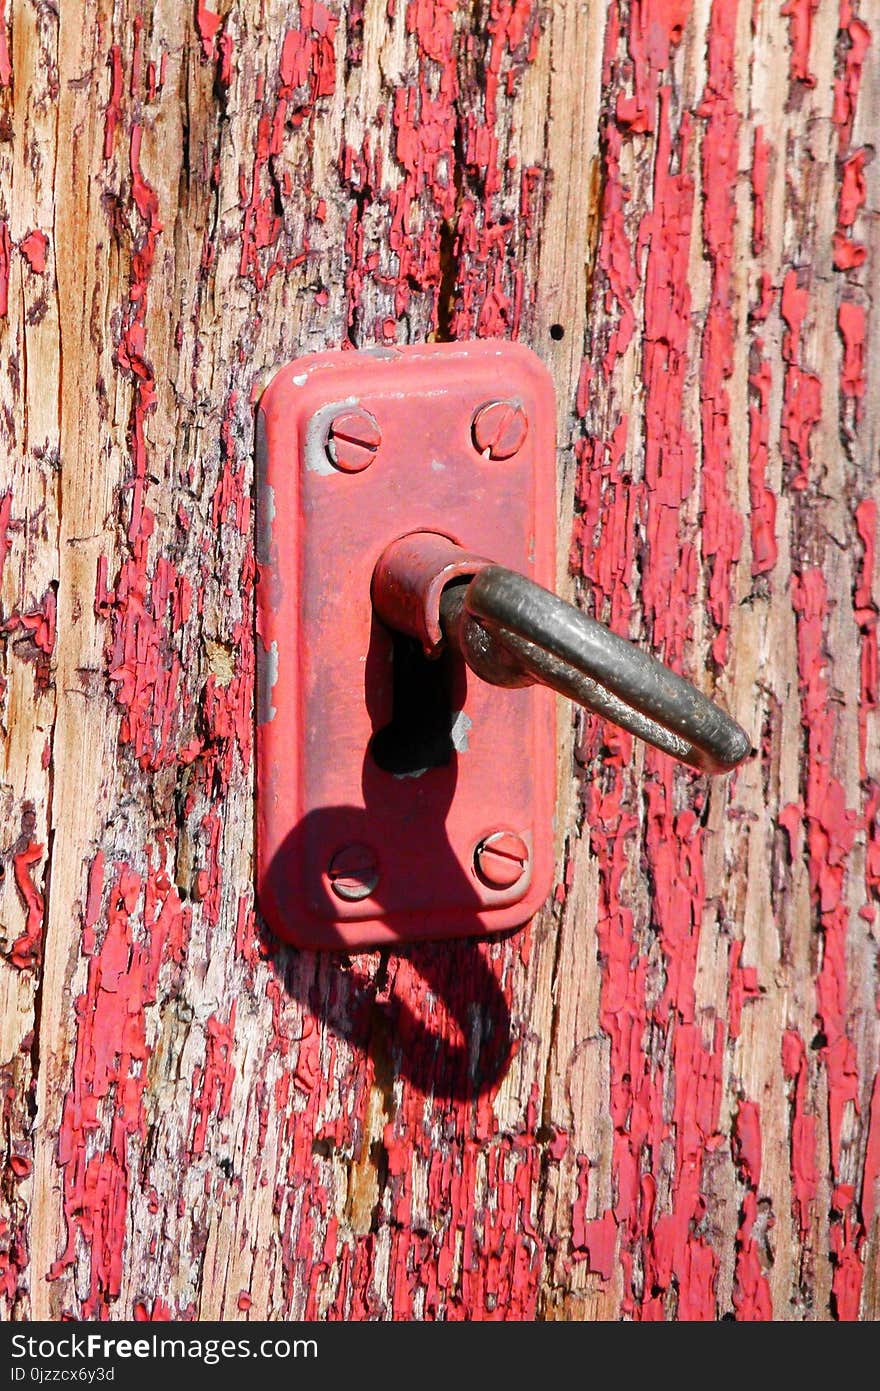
<point>546,639</point>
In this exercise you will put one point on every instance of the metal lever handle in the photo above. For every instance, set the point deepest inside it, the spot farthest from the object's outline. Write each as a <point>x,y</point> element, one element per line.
<point>501,614</point>
<point>512,632</point>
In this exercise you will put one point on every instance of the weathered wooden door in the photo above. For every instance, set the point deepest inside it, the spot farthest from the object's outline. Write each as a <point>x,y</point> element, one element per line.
<point>660,1100</point>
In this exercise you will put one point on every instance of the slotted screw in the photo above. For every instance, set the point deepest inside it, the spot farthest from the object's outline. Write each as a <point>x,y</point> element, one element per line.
<point>352,440</point>
<point>499,429</point>
<point>501,859</point>
<point>353,872</point>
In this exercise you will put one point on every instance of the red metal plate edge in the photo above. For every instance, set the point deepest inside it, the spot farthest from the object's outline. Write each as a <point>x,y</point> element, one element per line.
<point>291,400</point>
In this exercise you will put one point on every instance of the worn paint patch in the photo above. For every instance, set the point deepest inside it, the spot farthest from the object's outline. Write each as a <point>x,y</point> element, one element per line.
<point>751,1298</point>
<point>762,500</point>
<point>854,39</point>
<point>212,1083</point>
<point>104,1118</point>
<point>26,950</point>
<point>453,242</point>
<point>866,611</point>
<point>5,61</point>
<point>802,399</point>
<point>831,829</point>
<point>5,254</point>
<point>800,27</point>
<point>721,532</point>
<point>33,248</point>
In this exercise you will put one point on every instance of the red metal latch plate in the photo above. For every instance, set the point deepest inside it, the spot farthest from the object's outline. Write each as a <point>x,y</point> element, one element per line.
<point>355,852</point>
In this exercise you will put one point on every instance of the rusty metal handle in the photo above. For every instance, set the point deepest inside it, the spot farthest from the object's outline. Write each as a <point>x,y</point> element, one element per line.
<point>512,632</point>
<point>554,643</point>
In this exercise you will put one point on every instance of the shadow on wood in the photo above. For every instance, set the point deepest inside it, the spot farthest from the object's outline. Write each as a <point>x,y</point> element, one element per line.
<point>461,1054</point>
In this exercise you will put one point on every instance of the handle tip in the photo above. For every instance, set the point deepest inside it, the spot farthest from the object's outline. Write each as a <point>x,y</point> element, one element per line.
<point>737,748</point>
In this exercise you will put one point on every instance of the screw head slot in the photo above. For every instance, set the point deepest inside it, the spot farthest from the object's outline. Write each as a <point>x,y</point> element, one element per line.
<point>501,860</point>
<point>352,440</point>
<point>499,429</point>
<point>353,873</point>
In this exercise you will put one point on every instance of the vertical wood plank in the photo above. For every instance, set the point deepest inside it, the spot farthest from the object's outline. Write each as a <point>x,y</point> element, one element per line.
<point>661,1099</point>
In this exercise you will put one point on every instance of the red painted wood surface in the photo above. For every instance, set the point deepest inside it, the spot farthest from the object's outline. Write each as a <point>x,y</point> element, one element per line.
<point>661,1099</point>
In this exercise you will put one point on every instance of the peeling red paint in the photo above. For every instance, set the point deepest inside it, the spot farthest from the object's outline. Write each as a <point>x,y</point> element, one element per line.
<point>852,1225</point>
<point>751,1297</point>
<point>26,950</point>
<point>857,39</point>
<point>848,253</point>
<point>13,1258</point>
<point>430,216</point>
<point>5,520</point>
<point>721,533</point>
<point>762,499</point>
<point>113,109</point>
<point>669,1243</point>
<point>804,1168</point>
<point>852,323</point>
<point>655,26</point>
<point>94,895</point>
<point>130,354</point>
<point>207,24</point>
<point>665,1248</point>
<point>158,1312</point>
<point>479,1261</point>
<point>593,1240</point>
<point>306,74</point>
<point>853,189</point>
<point>742,988</point>
<point>870,1197</point>
<point>617,261</point>
<point>831,831</point>
<point>5,62</point>
<point>103,1118</point>
<point>669,448</point>
<point>212,1083</point>
<point>800,26</point>
<point>150,601</point>
<point>33,248</point>
<point>802,397</point>
<point>791,819</point>
<point>761,151</point>
<point>143,606</point>
<point>39,626</point>
<point>865,613</point>
<point>830,835</point>
<point>146,676</point>
<point>5,254</point>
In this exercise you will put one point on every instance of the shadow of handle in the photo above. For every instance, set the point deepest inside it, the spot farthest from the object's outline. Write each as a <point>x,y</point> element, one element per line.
<point>464,984</point>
